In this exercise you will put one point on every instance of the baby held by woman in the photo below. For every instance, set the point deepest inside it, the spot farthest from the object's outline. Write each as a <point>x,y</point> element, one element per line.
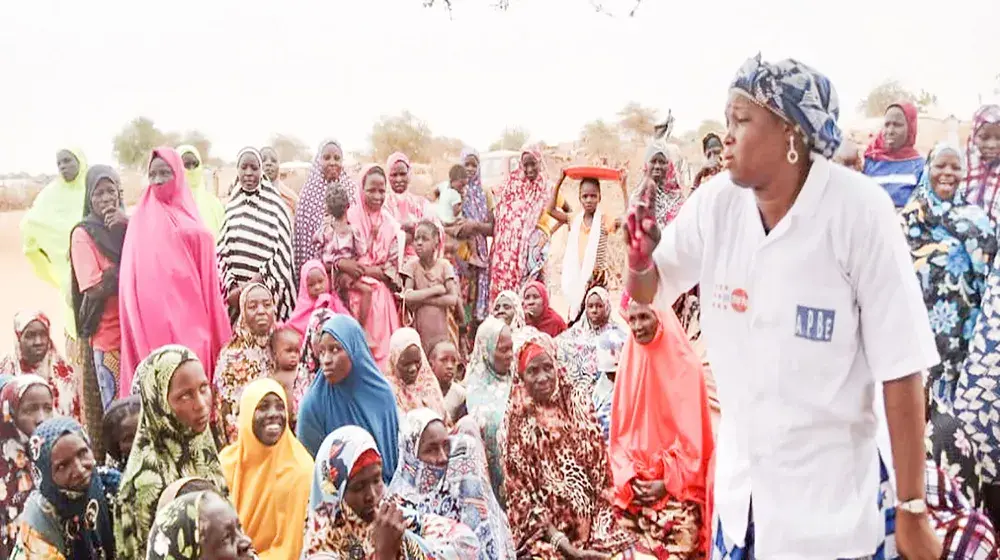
<point>342,245</point>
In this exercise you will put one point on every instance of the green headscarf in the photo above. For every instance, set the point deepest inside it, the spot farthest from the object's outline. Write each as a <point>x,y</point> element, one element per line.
<point>164,451</point>
<point>175,534</point>
<point>210,208</point>
<point>46,226</point>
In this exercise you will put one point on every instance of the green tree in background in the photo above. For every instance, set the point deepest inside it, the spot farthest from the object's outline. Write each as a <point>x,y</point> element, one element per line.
<point>512,138</point>
<point>401,133</point>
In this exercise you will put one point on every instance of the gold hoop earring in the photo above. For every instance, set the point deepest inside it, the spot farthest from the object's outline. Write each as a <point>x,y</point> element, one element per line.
<point>793,155</point>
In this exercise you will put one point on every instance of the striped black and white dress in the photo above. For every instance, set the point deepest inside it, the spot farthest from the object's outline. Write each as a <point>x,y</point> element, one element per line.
<point>256,239</point>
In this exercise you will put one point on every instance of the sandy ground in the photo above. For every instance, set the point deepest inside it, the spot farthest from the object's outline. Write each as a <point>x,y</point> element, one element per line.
<point>22,289</point>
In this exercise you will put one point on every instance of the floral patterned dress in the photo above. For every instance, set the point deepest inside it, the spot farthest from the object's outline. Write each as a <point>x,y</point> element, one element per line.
<point>63,381</point>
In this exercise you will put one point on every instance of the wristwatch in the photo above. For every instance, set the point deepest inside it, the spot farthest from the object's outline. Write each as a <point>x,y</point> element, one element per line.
<point>917,506</point>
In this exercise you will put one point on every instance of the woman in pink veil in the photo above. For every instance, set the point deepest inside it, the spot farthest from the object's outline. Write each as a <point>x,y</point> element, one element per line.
<point>169,290</point>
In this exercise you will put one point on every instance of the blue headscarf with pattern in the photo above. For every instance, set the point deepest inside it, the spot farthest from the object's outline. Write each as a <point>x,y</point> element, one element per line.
<point>77,522</point>
<point>798,94</point>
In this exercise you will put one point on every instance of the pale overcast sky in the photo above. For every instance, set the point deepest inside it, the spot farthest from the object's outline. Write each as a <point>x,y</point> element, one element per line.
<point>75,72</point>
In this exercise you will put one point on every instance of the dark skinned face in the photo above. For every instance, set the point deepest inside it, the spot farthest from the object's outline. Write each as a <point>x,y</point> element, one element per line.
<point>590,196</point>
<point>286,350</point>
<point>272,168</point>
<point>399,177</point>
<point>69,166</point>
<point>471,166</point>
<point>317,282</point>
<point>190,161</point>
<point>374,191</point>
<point>434,445</point>
<point>34,408</point>
<point>425,242</point>
<point>222,537</point>
<point>250,172</point>
<point>126,434</point>
<point>894,129</point>
<point>331,161</point>
<point>642,321</point>
<point>503,309</point>
<point>503,354</point>
<point>444,362</point>
<point>333,359</point>
<point>270,419</point>
<point>597,312</point>
<point>159,172</point>
<point>530,166</point>
<point>533,303</point>
<point>756,142</point>
<point>364,492</point>
<point>946,174</point>
<point>988,141</point>
<point>408,365</point>
<point>190,396</point>
<point>104,198</point>
<point>72,463</point>
<point>35,342</point>
<point>540,378</point>
<point>657,169</point>
<point>259,311</point>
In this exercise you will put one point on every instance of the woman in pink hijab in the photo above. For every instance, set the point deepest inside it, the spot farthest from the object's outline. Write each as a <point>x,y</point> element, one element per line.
<point>314,293</point>
<point>383,243</point>
<point>405,206</point>
<point>169,290</point>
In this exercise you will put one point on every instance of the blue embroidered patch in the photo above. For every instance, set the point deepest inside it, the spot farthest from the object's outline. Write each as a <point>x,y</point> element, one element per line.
<point>814,324</point>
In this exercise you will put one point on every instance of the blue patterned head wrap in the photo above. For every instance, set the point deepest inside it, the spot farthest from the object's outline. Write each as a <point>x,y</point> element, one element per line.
<point>798,94</point>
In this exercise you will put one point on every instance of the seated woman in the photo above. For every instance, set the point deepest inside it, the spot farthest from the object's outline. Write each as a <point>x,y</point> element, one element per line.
<point>537,311</point>
<point>445,476</point>
<point>410,375</point>
<point>508,307</point>
<point>487,390</point>
<point>34,352</point>
<point>268,472</point>
<point>25,402</point>
<point>196,526</point>
<point>348,517</point>
<point>118,430</point>
<point>173,440</point>
<point>348,390</point>
<point>183,486</point>
<point>69,515</point>
<point>555,463</point>
<point>248,355</point>
<point>383,241</point>
<point>661,438</point>
<point>578,344</point>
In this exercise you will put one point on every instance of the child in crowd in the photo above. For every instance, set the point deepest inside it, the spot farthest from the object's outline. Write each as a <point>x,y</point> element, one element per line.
<point>449,201</point>
<point>314,293</point>
<point>286,345</point>
<point>431,300</point>
<point>445,362</point>
<point>121,421</point>
<point>342,245</point>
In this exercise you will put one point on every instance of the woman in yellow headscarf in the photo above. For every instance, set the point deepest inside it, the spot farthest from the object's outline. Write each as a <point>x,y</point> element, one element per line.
<point>46,226</point>
<point>210,208</point>
<point>269,473</point>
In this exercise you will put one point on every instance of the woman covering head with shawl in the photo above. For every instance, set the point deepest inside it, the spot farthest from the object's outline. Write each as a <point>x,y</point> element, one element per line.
<point>362,397</point>
<point>555,464</point>
<point>658,187</point>
<point>474,252</point>
<point>487,389</point>
<point>578,344</point>
<point>661,437</point>
<point>272,171</point>
<point>520,204</point>
<point>335,525</point>
<point>309,357</point>
<point>16,482</point>
<point>166,448</point>
<point>406,207</point>
<point>247,357</point>
<point>891,159</point>
<point>60,522</point>
<point>95,256</point>
<point>458,490</point>
<point>36,353</point>
<point>327,172</point>
<point>168,293</point>
<point>952,244</point>
<point>255,244</point>
<point>410,375</point>
<point>196,526</point>
<point>537,311</point>
<point>46,226</point>
<point>383,240</point>
<point>982,157</point>
<point>269,473</point>
<point>210,208</point>
<point>312,295</point>
<point>509,308</point>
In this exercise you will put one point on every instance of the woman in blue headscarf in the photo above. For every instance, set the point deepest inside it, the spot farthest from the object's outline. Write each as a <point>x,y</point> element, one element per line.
<point>69,514</point>
<point>349,390</point>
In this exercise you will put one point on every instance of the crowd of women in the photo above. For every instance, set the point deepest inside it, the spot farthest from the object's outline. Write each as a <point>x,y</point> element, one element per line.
<point>358,371</point>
